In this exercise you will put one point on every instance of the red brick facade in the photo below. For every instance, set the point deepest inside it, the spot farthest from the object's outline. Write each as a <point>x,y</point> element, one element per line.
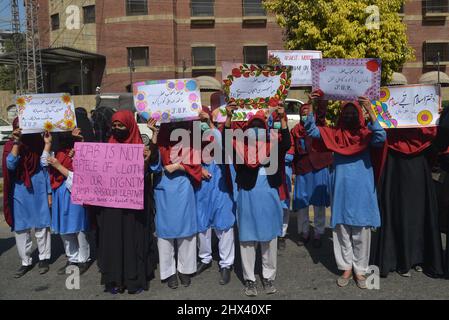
<point>169,33</point>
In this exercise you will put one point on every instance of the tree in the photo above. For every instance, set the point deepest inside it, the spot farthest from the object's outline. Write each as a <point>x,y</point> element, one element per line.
<point>346,29</point>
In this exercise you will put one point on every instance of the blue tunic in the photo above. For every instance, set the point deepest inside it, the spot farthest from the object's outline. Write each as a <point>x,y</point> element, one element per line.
<point>259,211</point>
<point>175,203</point>
<point>353,191</point>
<point>312,189</point>
<point>29,206</point>
<point>67,217</point>
<point>214,200</point>
<point>288,177</point>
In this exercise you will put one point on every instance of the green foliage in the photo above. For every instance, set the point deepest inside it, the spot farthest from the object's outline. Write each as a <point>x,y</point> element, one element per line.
<point>338,28</point>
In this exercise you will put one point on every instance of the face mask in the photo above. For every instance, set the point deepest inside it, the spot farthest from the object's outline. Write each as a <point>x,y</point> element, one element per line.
<point>119,134</point>
<point>304,118</point>
<point>204,126</point>
<point>277,125</point>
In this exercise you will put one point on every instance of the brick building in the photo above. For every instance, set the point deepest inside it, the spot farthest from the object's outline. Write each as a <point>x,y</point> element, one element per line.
<point>162,39</point>
<point>159,39</point>
<point>428,33</point>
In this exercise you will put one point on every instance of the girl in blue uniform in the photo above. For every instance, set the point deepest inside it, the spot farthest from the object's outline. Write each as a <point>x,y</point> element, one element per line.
<point>27,197</point>
<point>68,219</point>
<point>215,205</point>
<point>176,211</point>
<point>259,209</point>
<point>353,192</point>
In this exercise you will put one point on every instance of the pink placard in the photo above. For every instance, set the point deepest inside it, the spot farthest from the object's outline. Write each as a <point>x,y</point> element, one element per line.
<point>108,175</point>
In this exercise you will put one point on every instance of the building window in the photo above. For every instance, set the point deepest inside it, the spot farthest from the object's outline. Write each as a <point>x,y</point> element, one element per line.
<point>138,56</point>
<point>436,6</point>
<point>203,56</point>
<point>431,52</point>
<point>89,14</point>
<point>202,8</point>
<point>136,7</point>
<point>54,21</point>
<point>255,54</point>
<point>253,8</point>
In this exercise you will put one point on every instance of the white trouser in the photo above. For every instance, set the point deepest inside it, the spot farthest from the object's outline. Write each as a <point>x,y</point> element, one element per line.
<point>269,259</point>
<point>286,217</point>
<point>25,244</point>
<point>76,247</point>
<point>352,248</point>
<point>319,220</point>
<point>186,256</point>
<point>226,247</point>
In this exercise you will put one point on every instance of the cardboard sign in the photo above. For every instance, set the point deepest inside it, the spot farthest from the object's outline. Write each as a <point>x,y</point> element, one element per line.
<point>409,106</point>
<point>108,175</point>
<point>52,112</point>
<point>300,61</point>
<point>168,100</point>
<point>347,79</point>
<point>254,87</point>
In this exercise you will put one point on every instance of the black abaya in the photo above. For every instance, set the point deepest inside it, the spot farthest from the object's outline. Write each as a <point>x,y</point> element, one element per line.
<point>409,233</point>
<point>127,254</point>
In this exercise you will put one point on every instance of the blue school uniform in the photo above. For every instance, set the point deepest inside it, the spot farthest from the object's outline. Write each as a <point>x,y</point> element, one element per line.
<point>353,191</point>
<point>29,205</point>
<point>312,189</point>
<point>288,177</point>
<point>259,211</point>
<point>67,217</point>
<point>215,203</point>
<point>175,203</point>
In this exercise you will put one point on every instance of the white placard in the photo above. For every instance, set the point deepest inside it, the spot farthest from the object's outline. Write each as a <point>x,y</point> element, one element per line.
<point>299,60</point>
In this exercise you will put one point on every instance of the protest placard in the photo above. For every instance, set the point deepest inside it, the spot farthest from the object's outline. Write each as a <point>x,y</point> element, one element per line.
<point>408,106</point>
<point>299,60</point>
<point>254,87</point>
<point>168,100</point>
<point>52,112</point>
<point>108,175</point>
<point>347,79</point>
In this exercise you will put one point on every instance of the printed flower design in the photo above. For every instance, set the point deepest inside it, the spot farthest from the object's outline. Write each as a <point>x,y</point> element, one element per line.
<point>48,126</point>
<point>66,99</point>
<point>21,101</point>
<point>69,123</point>
<point>165,116</point>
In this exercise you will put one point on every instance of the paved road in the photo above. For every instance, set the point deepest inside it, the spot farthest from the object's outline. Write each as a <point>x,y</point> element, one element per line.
<point>303,273</point>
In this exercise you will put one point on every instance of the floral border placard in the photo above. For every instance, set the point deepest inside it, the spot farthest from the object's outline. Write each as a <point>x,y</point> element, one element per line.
<point>347,79</point>
<point>279,75</point>
<point>46,112</point>
<point>168,100</point>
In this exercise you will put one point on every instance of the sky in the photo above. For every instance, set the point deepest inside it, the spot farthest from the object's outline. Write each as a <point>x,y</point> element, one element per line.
<point>5,14</point>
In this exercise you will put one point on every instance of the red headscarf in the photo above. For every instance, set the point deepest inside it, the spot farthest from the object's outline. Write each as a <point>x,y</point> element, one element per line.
<point>56,178</point>
<point>166,147</point>
<point>347,141</point>
<point>250,152</point>
<point>410,141</point>
<point>204,144</point>
<point>284,193</point>
<point>31,148</point>
<point>126,118</point>
<point>315,156</point>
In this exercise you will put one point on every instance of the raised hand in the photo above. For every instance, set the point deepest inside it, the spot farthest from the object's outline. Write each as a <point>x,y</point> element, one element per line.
<point>230,108</point>
<point>76,133</point>
<point>48,139</point>
<point>151,124</point>
<point>205,175</point>
<point>17,134</point>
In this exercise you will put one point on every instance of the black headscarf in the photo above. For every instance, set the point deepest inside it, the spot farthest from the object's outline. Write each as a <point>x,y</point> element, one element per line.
<point>101,118</point>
